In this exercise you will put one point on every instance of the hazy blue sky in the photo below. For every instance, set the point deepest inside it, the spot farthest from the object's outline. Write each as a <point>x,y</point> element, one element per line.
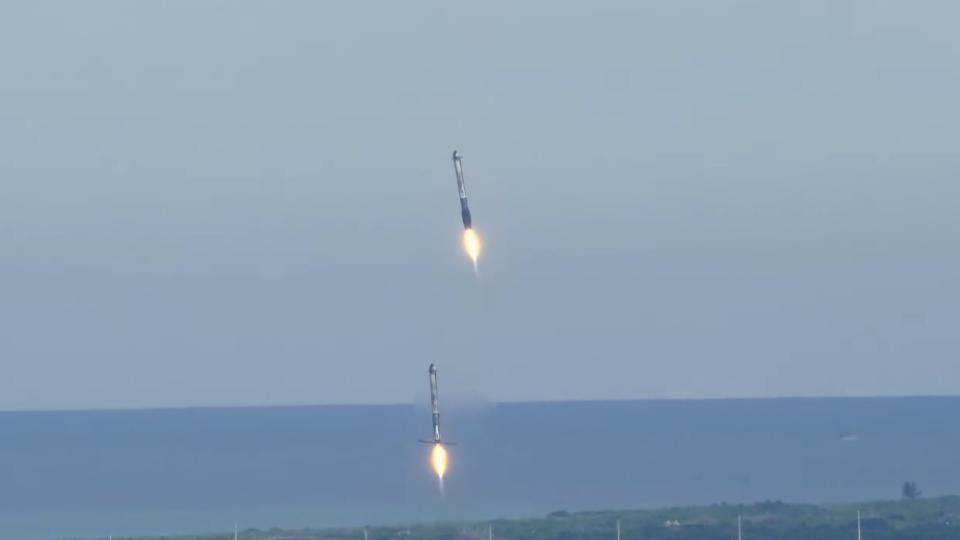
<point>210,203</point>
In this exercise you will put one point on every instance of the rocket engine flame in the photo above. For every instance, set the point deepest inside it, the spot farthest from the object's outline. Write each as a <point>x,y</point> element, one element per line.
<point>471,242</point>
<point>439,459</point>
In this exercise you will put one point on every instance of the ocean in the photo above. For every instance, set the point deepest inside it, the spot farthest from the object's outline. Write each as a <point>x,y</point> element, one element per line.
<point>133,472</point>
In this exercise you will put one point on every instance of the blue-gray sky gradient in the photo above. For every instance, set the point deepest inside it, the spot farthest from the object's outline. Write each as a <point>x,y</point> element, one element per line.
<point>218,203</point>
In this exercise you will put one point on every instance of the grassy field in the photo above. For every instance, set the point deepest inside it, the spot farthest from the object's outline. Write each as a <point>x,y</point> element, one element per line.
<point>924,519</point>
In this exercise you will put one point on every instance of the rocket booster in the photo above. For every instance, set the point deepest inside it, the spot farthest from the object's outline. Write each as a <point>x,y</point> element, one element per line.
<point>435,402</point>
<point>435,409</point>
<point>464,209</point>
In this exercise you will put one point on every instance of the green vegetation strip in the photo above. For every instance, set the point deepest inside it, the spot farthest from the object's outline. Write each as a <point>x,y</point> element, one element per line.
<point>922,519</point>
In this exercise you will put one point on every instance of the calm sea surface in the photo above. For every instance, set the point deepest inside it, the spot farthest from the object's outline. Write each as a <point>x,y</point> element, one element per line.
<point>89,474</point>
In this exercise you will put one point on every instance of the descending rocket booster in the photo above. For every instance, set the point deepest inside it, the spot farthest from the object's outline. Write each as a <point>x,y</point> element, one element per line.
<point>434,398</point>
<point>434,407</point>
<point>438,456</point>
<point>471,241</point>
<point>464,209</point>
